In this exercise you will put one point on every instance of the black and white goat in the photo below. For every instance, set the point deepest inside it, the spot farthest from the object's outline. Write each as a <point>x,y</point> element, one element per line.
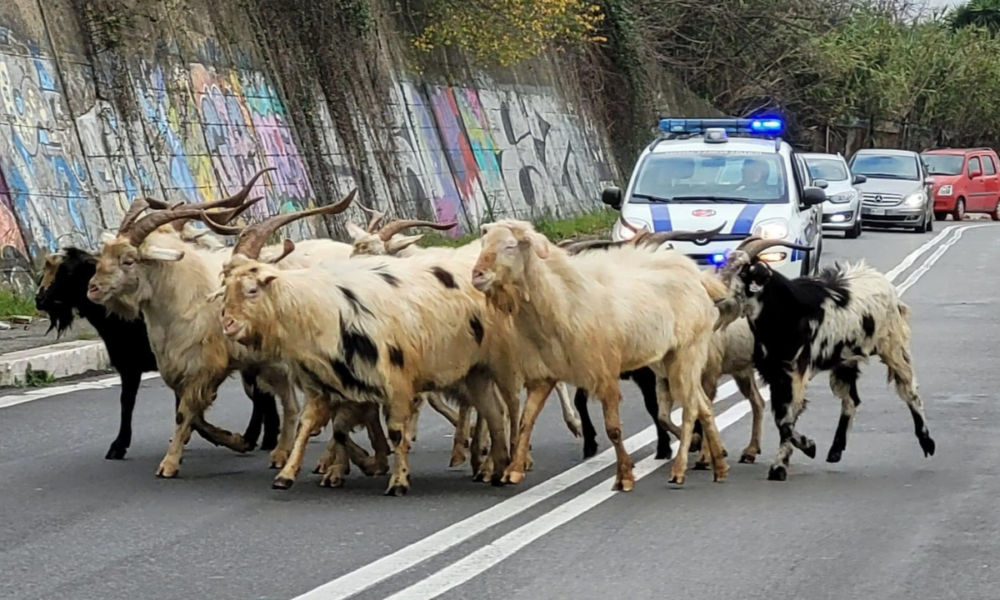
<point>832,322</point>
<point>62,294</point>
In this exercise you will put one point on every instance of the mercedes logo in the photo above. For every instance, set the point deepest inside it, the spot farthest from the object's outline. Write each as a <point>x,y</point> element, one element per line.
<point>701,242</point>
<point>878,198</point>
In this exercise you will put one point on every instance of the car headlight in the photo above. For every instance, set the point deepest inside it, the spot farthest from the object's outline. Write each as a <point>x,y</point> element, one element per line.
<point>773,229</point>
<point>914,200</point>
<point>946,190</point>
<point>842,197</point>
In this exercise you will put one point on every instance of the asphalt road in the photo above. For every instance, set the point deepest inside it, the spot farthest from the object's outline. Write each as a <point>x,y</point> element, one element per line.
<point>884,523</point>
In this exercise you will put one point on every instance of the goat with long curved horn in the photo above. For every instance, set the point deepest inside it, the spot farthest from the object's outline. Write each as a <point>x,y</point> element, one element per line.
<point>376,216</point>
<point>133,212</point>
<point>253,238</point>
<point>749,249</point>
<point>386,233</point>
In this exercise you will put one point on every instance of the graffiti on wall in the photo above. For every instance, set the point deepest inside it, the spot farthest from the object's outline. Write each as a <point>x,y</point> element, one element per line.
<point>44,173</point>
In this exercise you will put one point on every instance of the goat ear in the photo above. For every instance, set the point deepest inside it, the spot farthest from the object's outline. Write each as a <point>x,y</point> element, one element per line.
<point>215,295</point>
<point>354,231</point>
<point>540,245</point>
<point>107,237</point>
<point>399,242</point>
<point>266,279</point>
<point>161,254</point>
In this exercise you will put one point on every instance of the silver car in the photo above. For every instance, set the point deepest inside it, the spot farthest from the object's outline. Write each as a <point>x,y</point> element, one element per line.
<point>897,192</point>
<point>842,209</point>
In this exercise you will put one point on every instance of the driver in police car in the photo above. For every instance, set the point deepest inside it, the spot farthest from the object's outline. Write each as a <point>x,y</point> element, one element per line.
<point>755,174</point>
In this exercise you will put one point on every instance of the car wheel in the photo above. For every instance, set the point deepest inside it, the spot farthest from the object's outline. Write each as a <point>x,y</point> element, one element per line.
<point>854,232</point>
<point>922,228</point>
<point>941,216</point>
<point>959,213</point>
<point>995,215</point>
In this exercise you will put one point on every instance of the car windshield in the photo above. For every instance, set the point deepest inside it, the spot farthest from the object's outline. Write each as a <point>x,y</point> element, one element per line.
<point>943,164</point>
<point>885,166</point>
<point>829,169</point>
<point>700,177</point>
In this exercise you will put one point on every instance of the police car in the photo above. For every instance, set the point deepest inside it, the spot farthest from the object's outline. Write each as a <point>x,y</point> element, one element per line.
<point>703,173</point>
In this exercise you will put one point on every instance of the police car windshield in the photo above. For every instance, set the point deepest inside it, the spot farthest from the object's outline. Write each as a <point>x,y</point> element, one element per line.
<point>693,177</point>
<point>885,166</point>
<point>829,169</point>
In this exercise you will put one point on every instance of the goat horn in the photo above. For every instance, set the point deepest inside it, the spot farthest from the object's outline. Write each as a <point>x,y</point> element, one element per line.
<point>376,216</point>
<point>397,226</point>
<point>141,230</point>
<point>577,247</point>
<point>255,236</point>
<point>219,228</point>
<point>288,246</point>
<point>692,236</point>
<point>133,212</point>
<point>754,248</point>
<point>225,217</point>
<point>157,204</point>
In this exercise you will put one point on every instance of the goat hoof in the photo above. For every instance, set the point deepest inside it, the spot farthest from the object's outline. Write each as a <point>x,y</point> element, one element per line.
<point>458,457</point>
<point>167,471</point>
<point>116,452</point>
<point>928,445</point>
<point>834,456</point>
<point>496,481</point>
<point>701,466</point>
<point>278,459</point>
<point>676,479</point>
<point>748,458</point>
<point>810,449</point>
<point>514,477</point>
<point>331,482</point>
<point>282,483</point>
<point>777,473</point>
<point>623,485</point>
<point>589,449</point>
<point>397,490</point>
<point>320,469</point>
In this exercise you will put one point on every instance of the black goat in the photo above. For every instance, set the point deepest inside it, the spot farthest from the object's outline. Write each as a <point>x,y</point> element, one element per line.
<point>833,322</point>
<point>62,293</point>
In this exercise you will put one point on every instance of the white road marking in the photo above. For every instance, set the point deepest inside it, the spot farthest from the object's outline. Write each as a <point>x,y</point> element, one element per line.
<point>482,559</point>
<point>58,390</point>
<point>406,558</point>
<point>933,258</point>
<point>913,256</point>
<point>368,576</point>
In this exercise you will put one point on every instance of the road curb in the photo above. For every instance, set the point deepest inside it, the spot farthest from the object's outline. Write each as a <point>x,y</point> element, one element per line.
<point>57,360</point>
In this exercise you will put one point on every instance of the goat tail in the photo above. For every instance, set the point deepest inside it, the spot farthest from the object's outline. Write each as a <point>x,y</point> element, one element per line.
<point>729,307</point>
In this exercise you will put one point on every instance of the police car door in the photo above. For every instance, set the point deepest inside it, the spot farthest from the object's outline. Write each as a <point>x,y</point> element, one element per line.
<point>811,218</point>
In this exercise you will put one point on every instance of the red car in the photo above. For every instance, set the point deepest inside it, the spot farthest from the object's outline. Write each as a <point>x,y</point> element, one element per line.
<point>965,181</point>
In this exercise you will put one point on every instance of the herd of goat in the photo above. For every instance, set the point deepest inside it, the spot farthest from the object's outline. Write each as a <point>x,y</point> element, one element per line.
<point>370,331</point>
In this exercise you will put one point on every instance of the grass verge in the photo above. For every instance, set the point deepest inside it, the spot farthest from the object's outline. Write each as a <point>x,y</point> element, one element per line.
<point>594,224</point>
<point>12,304</point>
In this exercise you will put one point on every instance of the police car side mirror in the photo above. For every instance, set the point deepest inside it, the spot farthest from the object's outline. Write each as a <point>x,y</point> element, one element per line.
<point>859,179</point>
<point>612,196</point>
<point>811,196</point>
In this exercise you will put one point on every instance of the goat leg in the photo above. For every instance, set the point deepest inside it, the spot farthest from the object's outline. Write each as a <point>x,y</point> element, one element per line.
<point>130,389</point>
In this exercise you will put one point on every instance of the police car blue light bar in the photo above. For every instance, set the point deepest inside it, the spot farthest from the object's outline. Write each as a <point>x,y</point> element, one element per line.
<point>759,126</point>
<point>718,259</point>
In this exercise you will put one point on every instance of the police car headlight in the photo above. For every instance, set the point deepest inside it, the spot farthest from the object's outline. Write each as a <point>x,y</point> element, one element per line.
<point>622,232</point>
<point>772,229</point>
<point>914,200</point>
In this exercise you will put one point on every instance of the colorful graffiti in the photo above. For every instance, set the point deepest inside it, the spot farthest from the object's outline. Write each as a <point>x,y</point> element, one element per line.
<point>46,179</point>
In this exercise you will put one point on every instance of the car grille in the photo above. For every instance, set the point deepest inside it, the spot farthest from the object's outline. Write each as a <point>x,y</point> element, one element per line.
<point>881,199</point>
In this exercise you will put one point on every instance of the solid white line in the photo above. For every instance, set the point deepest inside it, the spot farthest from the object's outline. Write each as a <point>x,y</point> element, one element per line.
<point>422,550</point>
<point>482,559</point>
<point>933,258</point>
<point>58,390</point>
<point>913,256</point>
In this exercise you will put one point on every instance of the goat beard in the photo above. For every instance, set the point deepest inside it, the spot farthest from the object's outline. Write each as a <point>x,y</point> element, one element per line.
<point>505,298</point>
<point>124,309</point>
<point>61,317</point>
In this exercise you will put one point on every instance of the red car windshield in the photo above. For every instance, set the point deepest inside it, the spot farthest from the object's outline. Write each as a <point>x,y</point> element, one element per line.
<point>943,164</point>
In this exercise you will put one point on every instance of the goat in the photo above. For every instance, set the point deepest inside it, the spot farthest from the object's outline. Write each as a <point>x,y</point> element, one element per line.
<point>144,269</point>
<point>370,331</point>
<point>586,319</point>
<point>832,322</point>
<point>388,241</point>
<point>62,294</point>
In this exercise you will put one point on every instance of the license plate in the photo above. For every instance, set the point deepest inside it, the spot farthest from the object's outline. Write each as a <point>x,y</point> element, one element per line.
<point>875,211</point>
